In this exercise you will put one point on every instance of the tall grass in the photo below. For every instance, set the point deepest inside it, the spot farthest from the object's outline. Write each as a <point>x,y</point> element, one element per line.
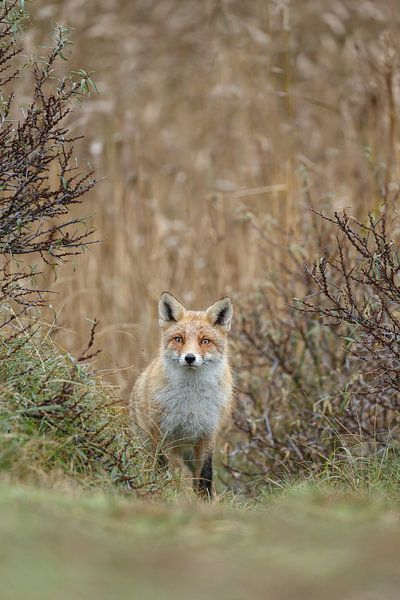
<point>210,114</point>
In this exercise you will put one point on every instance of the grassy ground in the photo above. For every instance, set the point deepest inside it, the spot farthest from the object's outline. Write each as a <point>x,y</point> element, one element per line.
<point>305,544</point>
<point>71,533</point>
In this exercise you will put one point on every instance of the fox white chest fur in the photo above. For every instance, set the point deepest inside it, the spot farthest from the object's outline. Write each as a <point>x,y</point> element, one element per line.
<point>191,403</point>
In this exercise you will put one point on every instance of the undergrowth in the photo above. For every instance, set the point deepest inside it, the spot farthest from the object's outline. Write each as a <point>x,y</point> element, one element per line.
<point>58,418</point>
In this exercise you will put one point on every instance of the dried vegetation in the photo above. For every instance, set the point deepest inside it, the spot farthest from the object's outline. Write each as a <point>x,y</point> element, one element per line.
<point>217,126</point>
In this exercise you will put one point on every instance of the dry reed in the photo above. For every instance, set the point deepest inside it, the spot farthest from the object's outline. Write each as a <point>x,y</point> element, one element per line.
<point>213,116</point>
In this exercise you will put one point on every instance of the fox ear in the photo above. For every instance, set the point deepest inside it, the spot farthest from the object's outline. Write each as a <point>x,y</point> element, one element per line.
<point>169,309</point>
<point>221,313</point>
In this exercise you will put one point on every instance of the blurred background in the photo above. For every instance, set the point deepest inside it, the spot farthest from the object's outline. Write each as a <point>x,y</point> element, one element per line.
<point>216,125</point>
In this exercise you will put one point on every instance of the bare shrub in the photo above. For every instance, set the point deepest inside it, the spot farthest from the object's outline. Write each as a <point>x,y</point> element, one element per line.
<point>359,290</point>
<point>289,368</point>
<point>40,181</point>
<point>319,377</point>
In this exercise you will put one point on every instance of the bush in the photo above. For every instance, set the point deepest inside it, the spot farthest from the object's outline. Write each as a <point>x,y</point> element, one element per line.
<point>359,292</point>
<point>40,182</point>
<point>318,378</point>
<point>57,417</point>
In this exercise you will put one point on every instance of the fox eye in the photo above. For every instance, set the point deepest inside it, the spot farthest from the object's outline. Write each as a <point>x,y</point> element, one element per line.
<point>205,341</point>
<point>178,338</point>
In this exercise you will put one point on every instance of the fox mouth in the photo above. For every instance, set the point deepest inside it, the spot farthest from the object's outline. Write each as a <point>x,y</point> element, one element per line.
<point>192,366</point>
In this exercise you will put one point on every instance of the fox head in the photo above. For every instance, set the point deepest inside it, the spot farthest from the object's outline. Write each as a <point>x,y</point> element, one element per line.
<point>193,339</point>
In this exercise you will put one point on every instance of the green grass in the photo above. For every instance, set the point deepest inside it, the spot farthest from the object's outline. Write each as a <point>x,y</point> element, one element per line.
<point>307,544</point>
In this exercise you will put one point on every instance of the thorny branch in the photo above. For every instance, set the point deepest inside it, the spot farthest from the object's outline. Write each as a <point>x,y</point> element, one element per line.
<point>40,181</point>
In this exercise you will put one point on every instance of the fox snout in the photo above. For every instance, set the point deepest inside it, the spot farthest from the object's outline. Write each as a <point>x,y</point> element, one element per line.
<point>190,360</point>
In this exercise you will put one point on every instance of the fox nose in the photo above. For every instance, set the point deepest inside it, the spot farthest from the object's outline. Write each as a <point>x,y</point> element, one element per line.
<point>190,358</point>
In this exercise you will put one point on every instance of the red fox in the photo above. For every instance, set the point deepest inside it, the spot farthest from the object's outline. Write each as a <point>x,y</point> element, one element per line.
<point>182,399</point>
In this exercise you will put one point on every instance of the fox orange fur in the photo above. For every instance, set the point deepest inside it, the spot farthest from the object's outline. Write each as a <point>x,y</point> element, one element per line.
<point>182,399</point>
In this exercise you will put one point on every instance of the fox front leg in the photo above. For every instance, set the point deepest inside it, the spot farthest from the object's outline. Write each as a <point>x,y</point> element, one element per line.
<point>206,478</point>
<point>203,480</point>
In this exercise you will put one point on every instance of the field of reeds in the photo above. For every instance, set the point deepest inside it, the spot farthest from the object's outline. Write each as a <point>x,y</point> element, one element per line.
<point>213,121</point>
